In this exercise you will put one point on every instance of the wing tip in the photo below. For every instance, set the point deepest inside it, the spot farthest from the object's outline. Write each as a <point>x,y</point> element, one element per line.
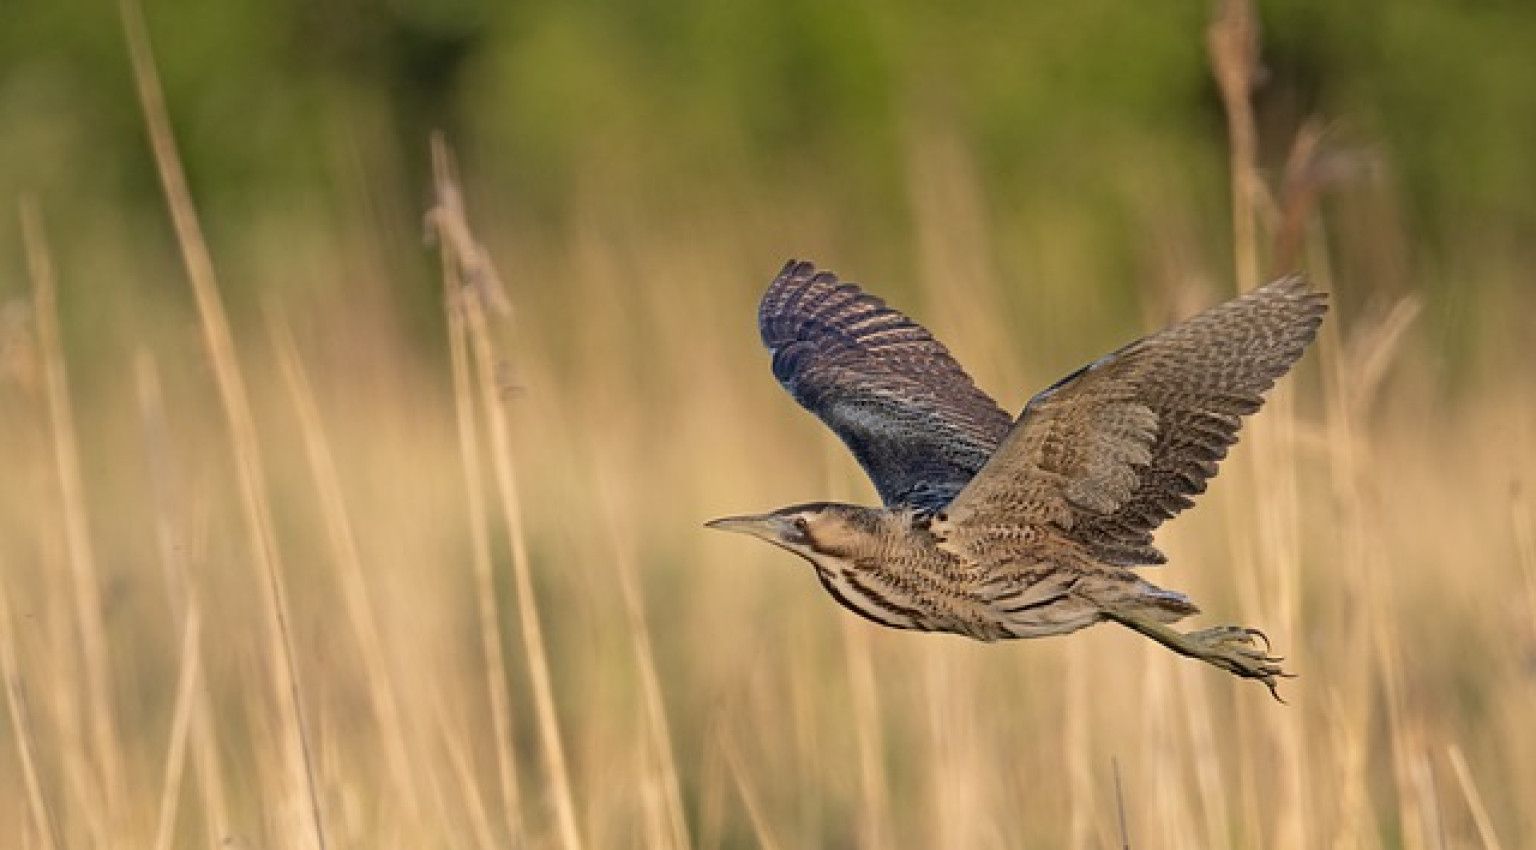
<point>1311,306</point>
<point>1298,285</point>
<point>788,287</point>
<point>803,297</point>
<point>794,267</point>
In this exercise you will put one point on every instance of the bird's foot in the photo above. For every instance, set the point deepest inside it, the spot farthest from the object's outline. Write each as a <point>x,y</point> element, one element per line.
<point>1241,651</point>
<point>1238,650</point>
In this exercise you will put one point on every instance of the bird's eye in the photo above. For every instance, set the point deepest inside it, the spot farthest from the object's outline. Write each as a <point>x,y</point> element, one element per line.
<point>802,526</point>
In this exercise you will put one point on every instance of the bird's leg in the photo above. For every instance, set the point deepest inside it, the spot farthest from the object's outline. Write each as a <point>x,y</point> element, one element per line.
<point>1235,649</point>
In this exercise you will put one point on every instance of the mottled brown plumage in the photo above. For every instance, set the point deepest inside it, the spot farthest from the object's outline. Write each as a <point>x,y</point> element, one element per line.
<point>1007,529</point>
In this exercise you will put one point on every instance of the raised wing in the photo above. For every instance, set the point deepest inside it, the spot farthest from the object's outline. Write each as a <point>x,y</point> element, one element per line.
<point>911,416</point>
<point>1110,452</point>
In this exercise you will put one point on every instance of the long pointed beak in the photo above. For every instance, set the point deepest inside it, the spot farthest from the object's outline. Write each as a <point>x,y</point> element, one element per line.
<point>757,525</point>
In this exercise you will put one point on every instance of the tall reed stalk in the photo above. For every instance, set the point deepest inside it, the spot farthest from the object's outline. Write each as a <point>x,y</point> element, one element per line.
<point>86,585</point>
<point>475,288</point>
<point>244,445</point>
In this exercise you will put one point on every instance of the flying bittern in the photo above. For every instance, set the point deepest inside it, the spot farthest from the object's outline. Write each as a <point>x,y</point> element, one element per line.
<point>997,528</point>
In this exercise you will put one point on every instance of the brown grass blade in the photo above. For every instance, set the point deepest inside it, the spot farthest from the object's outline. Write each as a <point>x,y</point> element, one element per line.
<point>1082,815</point>
<point>489,613</point>
<point>457,237</point>
<point>464,772</point>
<point>761,829</point>
<point>170,536</point>
<point>1232,41</point>
<point>343,542</point>
<point>1469,792</point>
<point>77,537</point>
<point>244,444</point>
<point>1207,763</point>
<point>187,688</point>
<point>874,796</point>
<point>1524,531</point>
<point>621,544</point>
<point>22,730</point>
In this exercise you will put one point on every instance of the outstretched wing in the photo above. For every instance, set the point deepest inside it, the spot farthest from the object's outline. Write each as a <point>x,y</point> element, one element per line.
<point>1110,452</point>
<point>913,418</point>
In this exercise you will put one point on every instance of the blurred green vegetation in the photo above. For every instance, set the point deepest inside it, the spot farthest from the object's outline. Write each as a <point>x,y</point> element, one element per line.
<point>681,102</point>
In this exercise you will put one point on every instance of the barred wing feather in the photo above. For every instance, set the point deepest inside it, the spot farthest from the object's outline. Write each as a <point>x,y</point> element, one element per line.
<point>1110,452</point>
<point>911,416</point>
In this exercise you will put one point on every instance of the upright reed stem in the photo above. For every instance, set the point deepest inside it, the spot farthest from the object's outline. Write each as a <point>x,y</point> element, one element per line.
<point>237,413</point>
<point>77,536</point>
<point>457,237</point>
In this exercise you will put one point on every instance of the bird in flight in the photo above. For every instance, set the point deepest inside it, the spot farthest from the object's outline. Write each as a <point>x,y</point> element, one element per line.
<point>994,527</point>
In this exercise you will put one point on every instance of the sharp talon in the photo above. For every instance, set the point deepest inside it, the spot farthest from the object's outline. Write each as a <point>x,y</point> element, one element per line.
<point>1243,651</point>
<point>1275,692</point>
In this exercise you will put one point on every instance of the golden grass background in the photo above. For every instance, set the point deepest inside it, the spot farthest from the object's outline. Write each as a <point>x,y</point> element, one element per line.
<point>287,575</point>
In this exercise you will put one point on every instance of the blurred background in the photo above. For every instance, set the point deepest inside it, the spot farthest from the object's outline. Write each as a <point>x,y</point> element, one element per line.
<point>393,571</point>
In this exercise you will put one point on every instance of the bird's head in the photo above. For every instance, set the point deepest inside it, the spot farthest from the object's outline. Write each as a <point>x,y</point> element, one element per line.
<point>814,530</point>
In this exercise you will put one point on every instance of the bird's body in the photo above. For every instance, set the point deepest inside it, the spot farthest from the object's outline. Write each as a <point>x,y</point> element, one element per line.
<point>889,567</point>
<point>997,528</point>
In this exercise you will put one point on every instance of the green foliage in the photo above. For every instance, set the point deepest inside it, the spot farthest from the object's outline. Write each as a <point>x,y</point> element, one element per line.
<point>666,95</point>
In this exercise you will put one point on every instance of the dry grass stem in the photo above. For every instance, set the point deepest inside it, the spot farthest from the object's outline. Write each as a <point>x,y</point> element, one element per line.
<point>77,536</point>
<point>749,797</point>
<point>1120,821</point>
<point>452,226</point>
<point>1083,820</point>
<point>1485,830</point>
<point>1232,40</point>
<point>487,609</point>
<point>1524,529</point>
<point>874,809</point>
<point>172,538</point>
<point>665,773</point>
<point>343,543</point>
<point>464,773</point>
<point>22,731</point>
<point>242,431</point>
<point>187,687</point>
<point>1207,760</point>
